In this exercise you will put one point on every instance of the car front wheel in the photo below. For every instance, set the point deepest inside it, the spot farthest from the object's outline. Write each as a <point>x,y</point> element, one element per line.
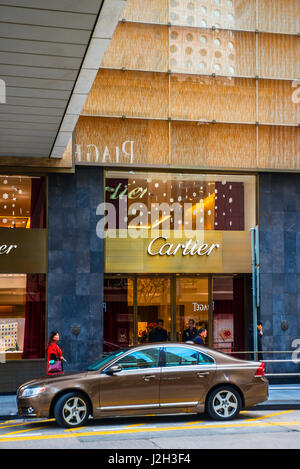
<point>224,403</point>
<point>71,410</point>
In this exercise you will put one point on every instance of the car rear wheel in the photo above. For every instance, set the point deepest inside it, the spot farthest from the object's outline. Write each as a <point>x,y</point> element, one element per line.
<point>71,410</point>
<point>224,403</point>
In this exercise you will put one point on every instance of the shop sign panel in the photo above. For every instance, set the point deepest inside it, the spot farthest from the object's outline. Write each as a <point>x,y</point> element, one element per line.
<point>204,252</point>
<point>23,250</point>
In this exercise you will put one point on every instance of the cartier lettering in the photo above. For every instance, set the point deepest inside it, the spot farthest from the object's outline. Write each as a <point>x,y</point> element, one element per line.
<point>190,248</point>
<point>7,248</point>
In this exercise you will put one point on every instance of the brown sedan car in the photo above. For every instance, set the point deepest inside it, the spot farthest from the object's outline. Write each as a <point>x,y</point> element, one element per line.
<point>158,378</point>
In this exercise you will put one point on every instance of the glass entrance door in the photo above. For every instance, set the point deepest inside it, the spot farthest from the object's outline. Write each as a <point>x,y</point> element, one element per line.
<point>156,308</point>
<point>118,313</point>
<point>192,307</point>
<point>153,309</point>
<point>230,312</point>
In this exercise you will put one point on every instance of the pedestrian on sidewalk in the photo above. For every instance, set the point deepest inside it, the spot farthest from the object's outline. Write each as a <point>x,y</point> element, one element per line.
<point>55,357</point>
<point>259,331</point>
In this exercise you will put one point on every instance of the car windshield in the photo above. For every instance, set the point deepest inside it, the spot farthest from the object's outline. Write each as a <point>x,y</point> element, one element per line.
<point>102,361</point>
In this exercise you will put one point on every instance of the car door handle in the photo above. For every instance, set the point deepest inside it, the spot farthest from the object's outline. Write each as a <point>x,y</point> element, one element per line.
<point>202,375</point>
<point>148,377</point>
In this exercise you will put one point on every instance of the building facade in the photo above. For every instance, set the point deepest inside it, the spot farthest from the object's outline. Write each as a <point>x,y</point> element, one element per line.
<point>188,139</point>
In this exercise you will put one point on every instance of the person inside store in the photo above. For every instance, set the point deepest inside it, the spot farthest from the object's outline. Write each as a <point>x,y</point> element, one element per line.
<point>201,337</point>
<point>158,334</point>
<point>55,357</point>
<point>190,333</point>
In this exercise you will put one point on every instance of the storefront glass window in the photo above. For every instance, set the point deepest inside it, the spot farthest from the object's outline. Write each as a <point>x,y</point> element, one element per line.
<point>118,313</point>
<point>154,313</point>
<point>192,307</point>
<point>181,201</point>
<point>229,313</point>
<point>163,308</point>
<point>22,202</point>
<point>22,316</point>
<point>23,266</point>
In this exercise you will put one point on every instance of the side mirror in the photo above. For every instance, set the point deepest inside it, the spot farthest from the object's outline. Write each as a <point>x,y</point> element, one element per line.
<point>114,369</point>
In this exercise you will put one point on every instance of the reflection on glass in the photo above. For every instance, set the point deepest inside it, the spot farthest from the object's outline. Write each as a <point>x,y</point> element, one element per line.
<point>192,307</point>
<point>205,52</point>
<point>22,202</point>
<point>22,316</point>
<point>228,314</point>
<point>274,16</point>
<point>226,14</point>
<point>154,311</point>
<point>118,313</point>
<point>181,201</point>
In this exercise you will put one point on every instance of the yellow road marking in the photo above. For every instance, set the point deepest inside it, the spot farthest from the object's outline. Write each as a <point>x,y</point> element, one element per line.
<point>27,423</point>
<point>194,423</point>
<point>269,415</point>
<point>144,430</point>
<point>74,429</point>
<point>135,425</point>
<point>22,431</point>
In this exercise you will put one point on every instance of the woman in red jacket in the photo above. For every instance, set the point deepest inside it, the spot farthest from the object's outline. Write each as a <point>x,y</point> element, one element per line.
<point>53,351</point>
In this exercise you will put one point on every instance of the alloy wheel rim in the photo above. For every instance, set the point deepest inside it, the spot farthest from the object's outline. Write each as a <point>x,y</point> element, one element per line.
<point>74,411</point>
<point>225,404</point>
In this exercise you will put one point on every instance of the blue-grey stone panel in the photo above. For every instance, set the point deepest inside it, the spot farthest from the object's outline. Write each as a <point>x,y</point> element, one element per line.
<point>75,264</point>
<point>279,223</point>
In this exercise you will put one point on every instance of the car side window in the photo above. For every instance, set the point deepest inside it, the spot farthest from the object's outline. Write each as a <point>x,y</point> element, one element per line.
<point>180,356</point>
<point>204,359</point>
<point>139,359</point>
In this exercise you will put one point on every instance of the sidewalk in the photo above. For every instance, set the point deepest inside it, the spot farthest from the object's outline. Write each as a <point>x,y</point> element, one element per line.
<point>280,396</point>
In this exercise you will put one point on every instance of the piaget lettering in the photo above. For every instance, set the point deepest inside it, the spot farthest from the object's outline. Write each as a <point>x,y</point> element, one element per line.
<point>6,249</point>
<point>114,155</point>
<point>190,248</point>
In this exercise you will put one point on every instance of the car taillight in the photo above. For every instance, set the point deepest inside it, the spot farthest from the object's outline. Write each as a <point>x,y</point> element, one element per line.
<point>260,370</point>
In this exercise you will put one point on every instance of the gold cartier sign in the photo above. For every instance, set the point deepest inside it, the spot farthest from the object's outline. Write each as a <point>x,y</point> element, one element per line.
<point>207,252</point>
<point>190,248</point>
<point>7,248</point>
<point>23,250</point>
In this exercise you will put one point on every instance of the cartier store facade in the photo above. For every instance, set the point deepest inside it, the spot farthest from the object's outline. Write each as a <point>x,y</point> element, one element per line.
<point>177,247</point>
<point>23,276</point>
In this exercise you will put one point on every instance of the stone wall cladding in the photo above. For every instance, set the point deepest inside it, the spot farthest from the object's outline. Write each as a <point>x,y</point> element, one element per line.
<point>75,278</point>
<point>279,207</point>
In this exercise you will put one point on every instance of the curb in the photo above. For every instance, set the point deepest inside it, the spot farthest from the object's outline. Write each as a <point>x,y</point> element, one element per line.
<point>10,417</point>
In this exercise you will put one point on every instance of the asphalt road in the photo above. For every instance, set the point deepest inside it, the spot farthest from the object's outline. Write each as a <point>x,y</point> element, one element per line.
<point>253,429</point>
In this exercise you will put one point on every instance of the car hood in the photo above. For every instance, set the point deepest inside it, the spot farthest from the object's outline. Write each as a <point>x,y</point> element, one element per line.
<point>45,380</point>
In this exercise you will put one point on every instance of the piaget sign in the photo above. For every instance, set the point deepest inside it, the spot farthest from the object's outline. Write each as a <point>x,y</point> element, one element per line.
<point>206,252</point>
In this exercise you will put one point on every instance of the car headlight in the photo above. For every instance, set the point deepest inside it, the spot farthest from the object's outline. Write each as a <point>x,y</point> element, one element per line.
<point>31,392</point>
